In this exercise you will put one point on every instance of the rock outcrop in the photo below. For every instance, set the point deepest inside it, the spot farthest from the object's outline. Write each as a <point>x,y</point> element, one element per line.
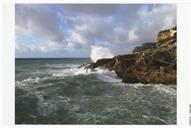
<point>166,34</point>
<point>145,46</point>
<point>149,63</point>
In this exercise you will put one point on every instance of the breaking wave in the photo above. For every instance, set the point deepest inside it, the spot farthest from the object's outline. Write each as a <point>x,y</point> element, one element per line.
<point>45,92</point>
<point>70,70</point>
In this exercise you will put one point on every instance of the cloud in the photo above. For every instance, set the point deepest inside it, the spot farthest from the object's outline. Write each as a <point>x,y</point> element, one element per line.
<point>132,36</point>
<point>37,20</point>
<point>86,30</point>
<point>90,30</point>
<point>155,19</point>
<point>90,9</point>
<point>43,47</point>
<point>147,23</point>
<point>78,27</point>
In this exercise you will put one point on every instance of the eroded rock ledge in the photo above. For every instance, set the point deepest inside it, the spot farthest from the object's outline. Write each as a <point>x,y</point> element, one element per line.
<point>150,63</point>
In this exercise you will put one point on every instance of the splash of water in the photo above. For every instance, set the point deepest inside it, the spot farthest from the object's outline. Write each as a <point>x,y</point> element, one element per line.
<point>98,52</point>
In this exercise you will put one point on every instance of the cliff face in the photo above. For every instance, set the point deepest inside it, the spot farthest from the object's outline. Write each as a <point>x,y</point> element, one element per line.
<point>152,63</point>
<point>166,34</point>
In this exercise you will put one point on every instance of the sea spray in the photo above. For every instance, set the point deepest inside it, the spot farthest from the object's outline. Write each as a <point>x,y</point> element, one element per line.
<point>98,52</point>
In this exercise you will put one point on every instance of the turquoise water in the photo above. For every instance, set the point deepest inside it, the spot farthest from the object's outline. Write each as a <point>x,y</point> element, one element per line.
<point>56,91</point>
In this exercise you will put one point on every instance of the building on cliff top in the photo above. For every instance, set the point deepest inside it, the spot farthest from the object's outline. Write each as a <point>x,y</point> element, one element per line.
<point>164,36</point>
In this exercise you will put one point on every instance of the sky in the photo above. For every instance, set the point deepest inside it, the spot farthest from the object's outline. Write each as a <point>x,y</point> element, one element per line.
<point>87,30</point>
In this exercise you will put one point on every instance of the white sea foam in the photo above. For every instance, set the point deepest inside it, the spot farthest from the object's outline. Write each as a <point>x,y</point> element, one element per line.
<point>62,65</point>
<point>30,81</point>
<point>70,72</point>
<point>102,74</point>
<point>109,76</point>
<point>169,89</point>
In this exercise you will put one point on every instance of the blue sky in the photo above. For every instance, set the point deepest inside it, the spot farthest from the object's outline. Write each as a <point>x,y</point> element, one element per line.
<point>83,30</point>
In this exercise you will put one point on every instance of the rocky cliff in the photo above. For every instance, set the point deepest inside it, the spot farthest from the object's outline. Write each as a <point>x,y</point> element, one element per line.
<point>150,63</point>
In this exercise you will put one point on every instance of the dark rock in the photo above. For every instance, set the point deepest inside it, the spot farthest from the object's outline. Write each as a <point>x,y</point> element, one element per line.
<point>107,63</point>
<point>148,63</point>
<point>156,67</point>
<point>145,46</point>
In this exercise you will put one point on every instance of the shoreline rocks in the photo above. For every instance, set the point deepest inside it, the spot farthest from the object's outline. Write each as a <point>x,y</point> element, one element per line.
<point>150,63</point>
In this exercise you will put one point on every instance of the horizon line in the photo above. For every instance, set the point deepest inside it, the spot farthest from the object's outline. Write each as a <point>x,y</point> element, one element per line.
<point>51,57</point>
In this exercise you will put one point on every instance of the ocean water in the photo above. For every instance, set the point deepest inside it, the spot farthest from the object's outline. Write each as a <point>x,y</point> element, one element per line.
<point>56,91</point>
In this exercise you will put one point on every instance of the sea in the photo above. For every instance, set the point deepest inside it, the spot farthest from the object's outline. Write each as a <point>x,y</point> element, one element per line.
<point>57,91</point>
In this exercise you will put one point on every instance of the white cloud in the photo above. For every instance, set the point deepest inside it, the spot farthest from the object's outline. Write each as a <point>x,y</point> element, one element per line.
<point>89,29</point>
<point>132,36</point>
<point>120,27</point>
<point>49,46</point>
<point>19,48</point>
<point>37,20</point>
<point>76,40</point>
<point>163,16</point>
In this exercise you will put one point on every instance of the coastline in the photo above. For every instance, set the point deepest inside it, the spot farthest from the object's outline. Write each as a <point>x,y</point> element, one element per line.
<point>150,63</point>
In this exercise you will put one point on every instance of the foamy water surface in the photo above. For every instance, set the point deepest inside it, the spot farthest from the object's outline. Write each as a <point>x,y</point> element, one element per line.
<point>56,91</point>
